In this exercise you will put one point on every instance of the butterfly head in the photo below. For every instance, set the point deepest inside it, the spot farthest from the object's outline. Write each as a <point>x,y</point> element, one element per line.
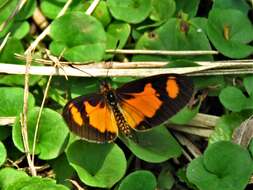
<point>105,86</point>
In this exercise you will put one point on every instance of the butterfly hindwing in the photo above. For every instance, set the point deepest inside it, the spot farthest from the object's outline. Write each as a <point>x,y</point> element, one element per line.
<point>91,118</point>
<point>150,101</point>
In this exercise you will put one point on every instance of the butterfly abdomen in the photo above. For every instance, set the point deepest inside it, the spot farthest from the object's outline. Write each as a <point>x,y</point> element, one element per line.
<point>121,122</point>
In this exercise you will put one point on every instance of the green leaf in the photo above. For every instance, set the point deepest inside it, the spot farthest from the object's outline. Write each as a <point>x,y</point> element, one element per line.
<point>138,180</point>
<point>27,10</point>
<point>80,37</point>
<point>230,31</point>
<point>62,169</point>
<point>165,179</point>
<point>6,9</point>
<point>5,132</point>
<point>232,4</point>
<point>248,84</point>
<point>222,167</point>
<point>18,29</point>
<point>9,176</point>
<point>224,127</point>
<point>117,36</point>
<point>162,9</point>
<point>118,32</point>
<point>36,183</point>
<point>12,46</point>
<point>52,134</point>
<point>186,7</point>
<point>170,36</point>
<point>131,11</point>
<point>233,99</point>
<point>185,115</point>
<point>18,80</point>
<point>214,84</point>
<point>11,101</point>
<point>101,12</point>
<point>51,8</point>
<point>155,145</point>
<point>3,153</point>
<point>97,165</point>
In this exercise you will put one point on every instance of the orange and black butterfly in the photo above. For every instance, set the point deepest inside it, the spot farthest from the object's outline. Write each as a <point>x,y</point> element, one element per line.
<point>137,105</point>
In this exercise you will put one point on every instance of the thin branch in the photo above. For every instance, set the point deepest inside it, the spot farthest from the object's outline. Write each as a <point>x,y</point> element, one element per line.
<point>204,121</point>
<point>161,52</point>
<point>24,128</point>
<point>236,67</point>
<point>202,132</point>
<point>194,150</point>
<point>4,41</point>
<point>7,120</point>
<point>39,116</point>
<point>92,7</point>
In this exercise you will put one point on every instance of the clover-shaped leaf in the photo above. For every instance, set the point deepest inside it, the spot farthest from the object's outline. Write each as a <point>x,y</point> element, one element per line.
<point>175,34</point>
<point>35,183</point>
<point>155,145</point>
<point>230,31</point>
<point>232,4</point>
<point>78,37</point>
<point>186,7</point>
<point>233,99</point>
<point>162,10</point>
<point>138,180</point>
<point>52,134</point>
<point>9,176</point>
<point>224,166</point>
<point>98,165</point>
<point>12,100</point>
<point>131,11</point>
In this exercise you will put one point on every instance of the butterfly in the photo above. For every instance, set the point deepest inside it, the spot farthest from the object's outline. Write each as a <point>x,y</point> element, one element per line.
<point>136,106</point>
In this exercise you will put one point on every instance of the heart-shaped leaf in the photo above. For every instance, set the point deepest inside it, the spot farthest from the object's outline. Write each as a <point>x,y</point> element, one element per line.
<point>230,30</point>
<point>175,34</point>
<point>232,4</point>
<point>155,145</point>
<point>97,165</point>
<point>162,10</point>
<point>35,183</point>
<point>138,180</point>
<point>12,100</point>
<point>79,37</point>
<point>233,99</point>
<point>52,134</point>
<point>131,11</point>
<point>224,166</point>
<point>9,176</point>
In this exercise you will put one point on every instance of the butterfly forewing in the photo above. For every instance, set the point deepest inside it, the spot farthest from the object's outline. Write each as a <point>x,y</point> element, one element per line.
<point>91,118</point>
<point>151,101</point>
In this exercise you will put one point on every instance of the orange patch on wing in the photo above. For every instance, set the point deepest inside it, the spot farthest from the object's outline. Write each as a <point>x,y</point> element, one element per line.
<point>101,118</point>
<point>76,115</point>
<point>132,117</point>
<point>146,102</point>
<point>172,87</point>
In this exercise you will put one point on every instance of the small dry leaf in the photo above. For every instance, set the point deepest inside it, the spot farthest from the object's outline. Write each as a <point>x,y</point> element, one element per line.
<point>243,134</point>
